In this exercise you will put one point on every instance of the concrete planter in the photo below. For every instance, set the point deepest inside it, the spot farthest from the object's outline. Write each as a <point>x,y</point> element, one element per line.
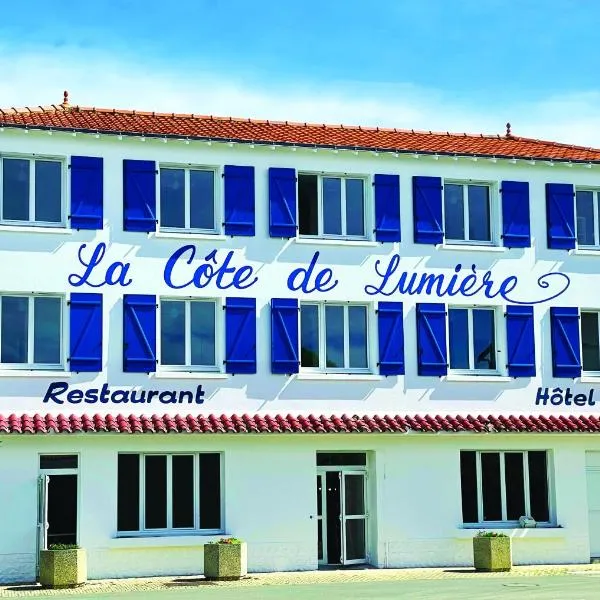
<point>225,562</point>
<point>63,568</point>
<point>492,554</point>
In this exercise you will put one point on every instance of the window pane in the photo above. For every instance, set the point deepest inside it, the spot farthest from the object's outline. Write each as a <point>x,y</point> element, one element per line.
<point>183,491</point>
<point>48,191</point>
<point>309,335</point>
<point>538,485</point>
<point>203,333</point>
<point>484,339</point>
<point>202,199</point>
<point>46,330</point>
<point>584,208</point>
<point>155,493</point>
<point>454,214</point>
<point>590,343</point>
<point>210,491</point>
<point>59,461</point>
<point>334,337</point>
<point>172,198</point>
<point>515,485</point>
<point>172,332</point>
<point>458,338</point>
<point>354,494</point>
<point>355,539</point>
<point>479,213</point>
<point>490,483</point>
<point>468,485</point>
<point>355,207</point>
<point>332,206</point>
<point>15,189</point>
<point>357,324</point>
<point>308,204</point>
<point>14,328</point>
<point>128,492</point>
<point>342,459</point>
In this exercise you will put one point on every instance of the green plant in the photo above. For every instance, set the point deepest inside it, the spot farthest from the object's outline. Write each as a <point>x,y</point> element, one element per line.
<point>63,547</point>
<point>229,541</point>
<point>493,534</point>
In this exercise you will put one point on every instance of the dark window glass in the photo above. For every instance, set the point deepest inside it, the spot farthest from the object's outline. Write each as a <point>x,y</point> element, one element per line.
<point>183,491</point>
<point>172,198</point>
<point>210,491</point>
<point>128,492</point>
<point>515,485</point>
<point>490,483</point>
<point>454,212</point>
<point>46,330</point>
<point>458,337</point>
<point>484,339</point>
<point>332,206</point>
<point>334,336</point>
<point>342,459</point>
<point>172,332</point>
<point>355,207</point>
<point>58,461</point>
<point>590,344</point>
<point>48,191</point>
<point>309,335</point>
<point>584,208</point>
<point>156,492</point>
<point>357,328</point>
<point>202,316</point>
<point>14,328</point>
<point>479,213</point>
<point>202,199</point>
<point>538,485</point>
<point>468,484</point>
<point>355,539</point>
<point>15,189</point>
<point>308,204</point>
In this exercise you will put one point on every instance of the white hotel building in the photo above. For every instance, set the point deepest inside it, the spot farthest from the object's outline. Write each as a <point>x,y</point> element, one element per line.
<point>343,345</point>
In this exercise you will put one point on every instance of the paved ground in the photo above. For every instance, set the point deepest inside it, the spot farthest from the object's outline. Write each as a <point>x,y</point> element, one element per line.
<point>576,582</point>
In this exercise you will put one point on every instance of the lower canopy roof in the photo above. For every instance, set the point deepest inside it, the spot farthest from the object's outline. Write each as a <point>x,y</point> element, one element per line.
<point>31,424</point>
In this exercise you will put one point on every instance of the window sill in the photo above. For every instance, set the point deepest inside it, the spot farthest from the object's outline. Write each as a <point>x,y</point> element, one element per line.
<point>541,532</point>
<point>585,251</point>
<point>337,242</point>
<point>479,378</point>
<point>589,379</point>
<point>188,375</point>
<point>471,248</point>
<point>34,373</point>
<point>339,377</point>
<point>182,235</point>
<point>61,230</point>
<point>163,541</point>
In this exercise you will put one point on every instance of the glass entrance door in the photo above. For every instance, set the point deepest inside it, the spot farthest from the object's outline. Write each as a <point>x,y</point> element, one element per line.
<point>354,518</point>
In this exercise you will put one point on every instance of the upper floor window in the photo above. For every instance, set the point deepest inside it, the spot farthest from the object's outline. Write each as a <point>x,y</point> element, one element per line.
<point>31,332</point>
<point>330,206</point>
<point>334,337</point>
<point>587,217</point>
<point>590,341</point>
<point>32,191</point>
<point>468,213</point>
<point>187,199</point>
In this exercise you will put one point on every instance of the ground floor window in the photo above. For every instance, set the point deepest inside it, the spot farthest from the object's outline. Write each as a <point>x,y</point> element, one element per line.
<point>163,492</point>
<point>504,486</point>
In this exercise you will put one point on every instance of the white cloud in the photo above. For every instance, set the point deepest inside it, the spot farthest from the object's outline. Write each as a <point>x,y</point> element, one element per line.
<point>96,79</point>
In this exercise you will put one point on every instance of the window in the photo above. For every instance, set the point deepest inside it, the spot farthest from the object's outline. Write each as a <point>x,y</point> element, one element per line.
<point>187,199</point>
<point>504,486</point>
<point>588,219</point>
<point>31,191</point>
<point>468,213</point>
<point>169,492</point>
<point>472,339</point>
<point>590,341</point>
<point>331,206</point>
<point>188,335</point>
<point>334,337</point>
<point>31,332</point>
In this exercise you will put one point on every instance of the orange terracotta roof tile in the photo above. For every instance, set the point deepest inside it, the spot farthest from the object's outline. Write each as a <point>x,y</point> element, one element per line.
<point>131,122</point>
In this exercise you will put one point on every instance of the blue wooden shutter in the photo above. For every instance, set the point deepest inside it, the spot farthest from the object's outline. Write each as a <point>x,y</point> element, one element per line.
<point>560,215</point>
<point>284,336</point>
<point>520,341</point>
<point>427,210</point>
<point>283,221</point>
<point>387,208</point>
<point>139,333</point>
<point>85,332</point>
<point>87,192</point>
<point>431,339</point>
<point>239,200</point>
<point>139,195</point>
<point>391,338</point>
<point>240,335</point>
<point>564,329</point>
<point>516,230</point>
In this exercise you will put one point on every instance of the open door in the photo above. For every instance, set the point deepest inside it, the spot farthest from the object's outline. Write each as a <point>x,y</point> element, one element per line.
<point>42,520</point>
<point>354,518</point>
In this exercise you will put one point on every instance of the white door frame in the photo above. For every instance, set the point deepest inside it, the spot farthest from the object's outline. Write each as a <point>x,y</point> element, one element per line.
<point>345,517</point>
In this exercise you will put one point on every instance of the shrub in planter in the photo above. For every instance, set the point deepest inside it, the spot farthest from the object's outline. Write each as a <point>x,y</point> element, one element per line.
<point>492,552</point>
<point>63,566</point>
<point>225,560</point>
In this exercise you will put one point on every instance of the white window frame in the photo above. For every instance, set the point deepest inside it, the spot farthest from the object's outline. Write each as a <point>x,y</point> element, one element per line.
<point>64,335</point>
<point>322,368</point>
<point>64,191</point>
<point>498,341</point>
<point>217,199</point>
<point>596,206</point>
<point>367,206</point>
<point>504,521</point>
<point>581,311</point>
<point>494,220</point>
<point>219,336</point>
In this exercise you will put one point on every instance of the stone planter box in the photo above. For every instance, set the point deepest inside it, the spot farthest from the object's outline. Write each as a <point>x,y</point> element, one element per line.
<point>225,562</point>
<point>63,568</point>
<point>492,554</point>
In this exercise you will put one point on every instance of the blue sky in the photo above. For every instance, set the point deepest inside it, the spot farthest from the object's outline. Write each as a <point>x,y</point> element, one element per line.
<point>459,65</point>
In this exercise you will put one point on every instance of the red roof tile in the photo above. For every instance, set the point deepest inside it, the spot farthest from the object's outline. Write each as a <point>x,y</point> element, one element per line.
<point>129,122</point>
<point>291,424</point>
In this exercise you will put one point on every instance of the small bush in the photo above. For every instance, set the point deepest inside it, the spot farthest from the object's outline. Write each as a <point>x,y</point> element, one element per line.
<point>63,547</point>
<point>228,541</point>
<point>490,534</point>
